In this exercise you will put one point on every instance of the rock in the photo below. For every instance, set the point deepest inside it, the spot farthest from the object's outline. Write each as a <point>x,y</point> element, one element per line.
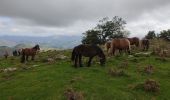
<point>35,65</point>
<point>142,54</point>
<point>9,69</point>
<point>48,60</point>
<point>61,57</point>
<point>130,56</point>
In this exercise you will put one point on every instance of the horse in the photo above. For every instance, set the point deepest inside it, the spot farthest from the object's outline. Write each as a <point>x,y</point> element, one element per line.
<point>145,44</point>
<point>107,46</point>
<point>16,52</point>
<point>120,44</point>
<point>29,52</point>
<point>134,41</point>
<point>87,51</point>
<point>6,54</point>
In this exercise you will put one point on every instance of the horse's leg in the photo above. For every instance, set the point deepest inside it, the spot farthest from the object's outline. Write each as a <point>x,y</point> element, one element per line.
<point>113,52</point>
<point>32,57</point>
<point>27,57</point>
<point>128,50</point>
<point>120,51</point>
<point>89,62</point>
<point>75,61</point>
<point>80,62</point>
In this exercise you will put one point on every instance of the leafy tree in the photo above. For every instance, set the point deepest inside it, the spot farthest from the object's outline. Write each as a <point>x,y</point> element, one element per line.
<point>150,35</point>
<point>165,34</point>
<point>111,28</point>
<point>91,37</point>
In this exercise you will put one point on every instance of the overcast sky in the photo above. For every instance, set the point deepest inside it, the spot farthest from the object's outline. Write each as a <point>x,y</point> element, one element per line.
<point>73,17</point>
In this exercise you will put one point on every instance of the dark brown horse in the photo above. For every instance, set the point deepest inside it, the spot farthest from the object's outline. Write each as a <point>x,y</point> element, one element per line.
<point>87,51</point>
<point>29,52</point>
<point>122,44</point>
<point>134,41</point>
<point>145,44</point>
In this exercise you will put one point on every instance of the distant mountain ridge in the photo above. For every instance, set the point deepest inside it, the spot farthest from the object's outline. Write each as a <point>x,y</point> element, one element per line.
<point>59,41</point>
<point>11,43</point>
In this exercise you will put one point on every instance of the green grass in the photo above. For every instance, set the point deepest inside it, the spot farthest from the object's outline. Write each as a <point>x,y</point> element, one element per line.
<point>50,81</point>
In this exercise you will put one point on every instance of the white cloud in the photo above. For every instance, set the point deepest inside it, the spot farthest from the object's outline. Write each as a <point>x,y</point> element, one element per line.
<point>73,17</point>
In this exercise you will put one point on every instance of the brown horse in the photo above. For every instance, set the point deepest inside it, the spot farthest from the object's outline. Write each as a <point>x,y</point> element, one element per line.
<point>29,52</point>
<point>145,44</point>
<point>120,44</point>
<point>107,46</point>
<point>87,51</point>
<point>134,41</point>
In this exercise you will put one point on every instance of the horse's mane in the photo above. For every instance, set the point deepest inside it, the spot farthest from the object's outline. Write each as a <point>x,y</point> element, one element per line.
<point>98,49</point>
<point>35,47</point>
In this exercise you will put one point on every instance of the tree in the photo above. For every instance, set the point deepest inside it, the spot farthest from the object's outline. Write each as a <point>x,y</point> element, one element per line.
<point>165,34</point>
<point>111,28</point>
<point>150,35</point>
<point>106,30</point>
<point>91,37</point>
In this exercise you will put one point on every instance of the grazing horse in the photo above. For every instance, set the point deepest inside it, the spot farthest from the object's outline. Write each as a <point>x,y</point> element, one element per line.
<point>29,52</point>
<point>120,44</point>
<point>6,54</point>
<point>134,41</point>
<point>107,46</point>
<point>16,53</point>
<point>87,51</point>
<point>145,44</point>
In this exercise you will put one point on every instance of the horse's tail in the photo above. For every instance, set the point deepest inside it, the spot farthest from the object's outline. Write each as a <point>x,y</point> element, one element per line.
<point>111,47</point>
<point>129,47</point>
<point>23,56</point>
<point>73,55</point>
<point>105,46</point>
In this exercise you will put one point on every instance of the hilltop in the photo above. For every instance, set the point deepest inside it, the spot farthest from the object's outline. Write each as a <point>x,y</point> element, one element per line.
<point>51,76</point>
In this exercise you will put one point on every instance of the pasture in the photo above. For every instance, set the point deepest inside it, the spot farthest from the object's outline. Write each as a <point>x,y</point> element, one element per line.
<point>51,76</point>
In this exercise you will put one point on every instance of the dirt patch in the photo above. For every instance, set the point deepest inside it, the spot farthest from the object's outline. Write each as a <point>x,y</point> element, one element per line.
<point>71,94</point>
<point>116,72</point>
<point>151,85</point>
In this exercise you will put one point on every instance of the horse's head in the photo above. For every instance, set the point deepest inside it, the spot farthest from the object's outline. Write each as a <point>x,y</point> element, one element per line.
<point>37,47</point>
<point>102,59</point>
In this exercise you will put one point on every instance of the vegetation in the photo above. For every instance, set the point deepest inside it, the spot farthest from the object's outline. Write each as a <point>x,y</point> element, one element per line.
<point>165,34</point>
<point>150,35</point>
<point>105,30</point>
<point>56,79</point>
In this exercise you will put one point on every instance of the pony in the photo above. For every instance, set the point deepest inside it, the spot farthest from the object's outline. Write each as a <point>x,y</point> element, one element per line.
<point>6,54</point>
<point>134,41</point>
<point>16,52</point>
<point>145,44</point>
<point>120,44</point>
<point>107,46</point>
<point>29,52</point>
<point>87,51</point>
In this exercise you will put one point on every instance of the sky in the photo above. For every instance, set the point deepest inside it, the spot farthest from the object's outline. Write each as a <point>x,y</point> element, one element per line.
<point>73,17</point>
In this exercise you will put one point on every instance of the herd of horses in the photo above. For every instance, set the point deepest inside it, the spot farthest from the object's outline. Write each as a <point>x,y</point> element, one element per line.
<point>120,44</point>
<point>124,44</point>
<point>87,50</point>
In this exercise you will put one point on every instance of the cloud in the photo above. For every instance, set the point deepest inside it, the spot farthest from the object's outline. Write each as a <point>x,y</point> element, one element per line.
<point>75,16</point>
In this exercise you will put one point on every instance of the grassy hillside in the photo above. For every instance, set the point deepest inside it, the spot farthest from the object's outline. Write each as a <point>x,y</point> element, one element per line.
<point>45,79</point>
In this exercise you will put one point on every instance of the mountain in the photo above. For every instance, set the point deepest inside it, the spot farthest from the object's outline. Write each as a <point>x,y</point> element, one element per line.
<point>7,43</point>
<point>59,41</point>
<point>3,50</point>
